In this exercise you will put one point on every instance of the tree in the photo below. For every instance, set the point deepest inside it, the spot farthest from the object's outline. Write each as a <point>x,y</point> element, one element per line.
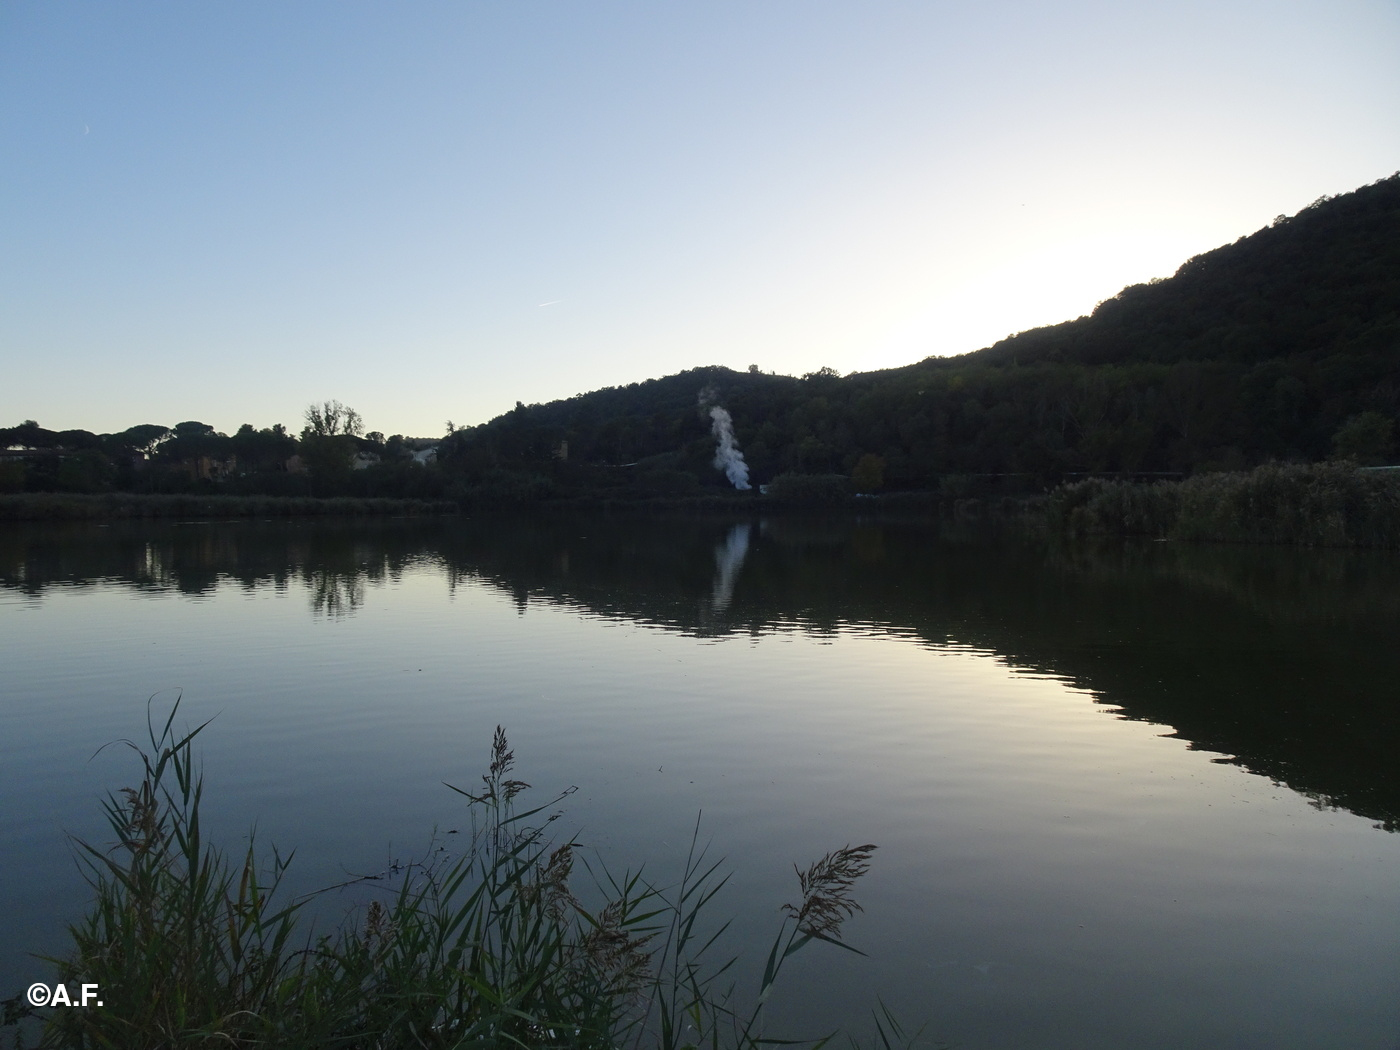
<point>328,442</point>
<point>192,440</point>
<point>30,434</point>
<point>1364,439</point>
<point>332,419</point>
<point>143,438</point>
<point>869,473</point>
<point>263,450</point>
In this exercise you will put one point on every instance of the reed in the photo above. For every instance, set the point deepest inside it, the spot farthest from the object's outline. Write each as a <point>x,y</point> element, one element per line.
<point>490,946</point>
<point>1313,505</point>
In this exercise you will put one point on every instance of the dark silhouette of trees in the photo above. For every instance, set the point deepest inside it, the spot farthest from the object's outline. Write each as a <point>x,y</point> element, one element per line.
<point>332,419</point>
<point>1283,346</point>
<point>1365,438</point>
<point>328,445</point>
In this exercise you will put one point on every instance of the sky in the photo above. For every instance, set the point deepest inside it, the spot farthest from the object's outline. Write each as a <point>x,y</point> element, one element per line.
<point>227,211</point>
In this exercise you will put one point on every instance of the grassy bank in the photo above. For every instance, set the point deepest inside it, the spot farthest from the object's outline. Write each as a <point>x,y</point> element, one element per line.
<point>491,945</point>
<point>56,506</point>
<point>1317,505</point>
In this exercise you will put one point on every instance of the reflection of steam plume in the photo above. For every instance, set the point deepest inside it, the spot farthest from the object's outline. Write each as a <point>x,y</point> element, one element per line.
<point>728,458</point>
<point>729,559</point>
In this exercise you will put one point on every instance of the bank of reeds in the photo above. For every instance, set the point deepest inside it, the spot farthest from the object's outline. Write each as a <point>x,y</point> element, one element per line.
<point>60,506</point>
<point>1314,505</point>
<point>490,947</point>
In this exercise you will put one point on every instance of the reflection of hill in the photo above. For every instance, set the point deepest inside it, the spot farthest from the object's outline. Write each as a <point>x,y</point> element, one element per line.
<point>334,559</point>
<point>1281,660</point>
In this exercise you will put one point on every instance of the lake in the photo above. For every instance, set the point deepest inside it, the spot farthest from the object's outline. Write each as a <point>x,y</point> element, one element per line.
<point>1128,795</point>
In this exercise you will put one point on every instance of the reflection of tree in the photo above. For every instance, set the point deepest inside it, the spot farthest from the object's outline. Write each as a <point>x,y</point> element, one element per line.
<point>34,558</point>
<point>335,594</point>
<point>200,557</point>
<point>1276,658</point>
<point>1280,659</point>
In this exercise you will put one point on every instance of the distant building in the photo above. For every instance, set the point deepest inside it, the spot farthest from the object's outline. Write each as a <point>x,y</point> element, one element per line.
<point>17,453</point>
<point>207,468</point>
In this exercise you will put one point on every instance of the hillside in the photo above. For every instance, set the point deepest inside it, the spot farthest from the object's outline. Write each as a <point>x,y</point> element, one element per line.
<point>1282,346</point>
<point>1322,283</point>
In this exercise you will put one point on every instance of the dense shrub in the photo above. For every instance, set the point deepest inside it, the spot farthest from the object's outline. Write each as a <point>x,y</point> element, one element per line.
<point>810,488</point>
<point>1318,505</point>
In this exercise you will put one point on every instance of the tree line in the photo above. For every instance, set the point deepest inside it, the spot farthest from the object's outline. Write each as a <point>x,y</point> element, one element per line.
<point>1281,347</point>
<point>332,455</point>
<point>1284,346</point>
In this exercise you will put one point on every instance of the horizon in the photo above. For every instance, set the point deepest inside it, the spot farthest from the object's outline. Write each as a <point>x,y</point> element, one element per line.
<point>430,214</point>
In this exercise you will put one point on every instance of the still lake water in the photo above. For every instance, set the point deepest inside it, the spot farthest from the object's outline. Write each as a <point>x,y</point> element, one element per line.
<point>1127,796</point>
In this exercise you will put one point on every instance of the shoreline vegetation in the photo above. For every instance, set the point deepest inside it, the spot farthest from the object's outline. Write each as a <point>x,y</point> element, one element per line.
<point>1277,349</point>
<point>488,943</point>
<point>71,506</point>
<point>1318,505</point>
<point>1336,504</point>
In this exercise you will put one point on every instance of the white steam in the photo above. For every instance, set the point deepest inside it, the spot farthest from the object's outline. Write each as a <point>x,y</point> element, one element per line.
<point>728,458</point>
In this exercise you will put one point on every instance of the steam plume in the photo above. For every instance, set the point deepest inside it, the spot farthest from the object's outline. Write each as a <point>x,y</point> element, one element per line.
<point>728,458</point>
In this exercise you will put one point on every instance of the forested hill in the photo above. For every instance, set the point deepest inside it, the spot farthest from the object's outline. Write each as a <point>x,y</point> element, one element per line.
<point>1324,282</point>
<point>1282,346</point>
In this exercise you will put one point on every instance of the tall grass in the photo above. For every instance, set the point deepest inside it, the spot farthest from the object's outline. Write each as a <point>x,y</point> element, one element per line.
<point>488,947</point>
<point>1317,505</point>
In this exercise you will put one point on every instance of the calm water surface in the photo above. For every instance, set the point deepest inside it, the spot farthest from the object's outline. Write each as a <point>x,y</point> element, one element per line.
<point>1132,796</point>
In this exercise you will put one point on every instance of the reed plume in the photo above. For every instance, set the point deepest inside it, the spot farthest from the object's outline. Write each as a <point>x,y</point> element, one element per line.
<point>826,891</point>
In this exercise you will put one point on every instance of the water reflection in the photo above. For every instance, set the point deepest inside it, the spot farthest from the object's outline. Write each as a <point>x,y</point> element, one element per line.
<point>1280,661</point>
<point>729,559</point>
<point>335,594</point>
<point>334,561</point>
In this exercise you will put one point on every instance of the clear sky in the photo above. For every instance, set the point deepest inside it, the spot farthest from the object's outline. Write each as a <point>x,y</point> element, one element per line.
<point>225,211</point>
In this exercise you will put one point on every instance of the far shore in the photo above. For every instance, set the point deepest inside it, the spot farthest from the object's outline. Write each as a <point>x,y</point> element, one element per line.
<point>1332,504</point>
<point>64,506</point>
